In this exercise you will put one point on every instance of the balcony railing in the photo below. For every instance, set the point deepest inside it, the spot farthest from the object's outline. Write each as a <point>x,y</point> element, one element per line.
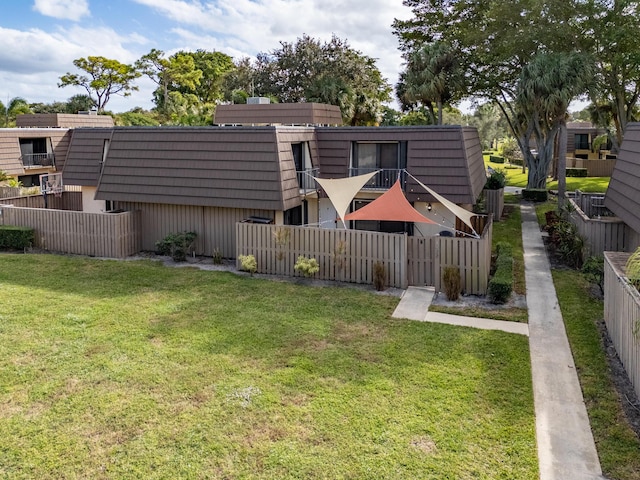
<point>383,180</point>
<point>36,160</point>
<point>307,184</point>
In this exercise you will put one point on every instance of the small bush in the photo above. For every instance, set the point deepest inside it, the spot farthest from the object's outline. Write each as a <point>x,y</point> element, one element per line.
<point>178,245</point>
<point>307,266</point>
<point>517,161</point>
<point>217,256</point>
<point>593,269</point>
<point>379,276</point>
<point>535,194</point>
<point>496,159</point>
<point>452,282</point>
<point>501,284</point>
<point>487,152</point>
<point>576,172</point>
<point>248,263</point>
<point>16,238</point>
<point>496,180</point>
<point>567,242</point>
<point>633,269</point>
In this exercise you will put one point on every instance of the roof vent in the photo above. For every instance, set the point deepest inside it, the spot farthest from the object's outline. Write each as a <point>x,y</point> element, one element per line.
<point>258,101</point>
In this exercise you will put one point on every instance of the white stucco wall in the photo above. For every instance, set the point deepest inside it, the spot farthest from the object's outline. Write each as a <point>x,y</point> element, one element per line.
<point>438,214</point>
<point>89,204</point>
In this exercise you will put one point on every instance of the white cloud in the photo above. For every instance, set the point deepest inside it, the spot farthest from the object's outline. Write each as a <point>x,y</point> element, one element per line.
<point>63,9</point>
<point>251,26</point>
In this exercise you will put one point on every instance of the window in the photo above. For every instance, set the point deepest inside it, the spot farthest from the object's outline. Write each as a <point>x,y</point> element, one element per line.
<point>389,157</point>
<point>36,152</point>
<point>297,215</point>
<point>582,141</point>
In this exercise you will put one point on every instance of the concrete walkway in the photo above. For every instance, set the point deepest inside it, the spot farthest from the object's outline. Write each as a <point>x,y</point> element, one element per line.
<point>566,449</point>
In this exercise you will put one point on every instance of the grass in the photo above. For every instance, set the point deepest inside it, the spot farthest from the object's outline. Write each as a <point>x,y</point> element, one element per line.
<point>134,370</point>
<point>515,178</point>
<point>617,444</point>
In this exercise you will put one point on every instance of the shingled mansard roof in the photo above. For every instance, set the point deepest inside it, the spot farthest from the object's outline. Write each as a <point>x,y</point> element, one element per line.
<point>253,167</point>
<point>623,194</point>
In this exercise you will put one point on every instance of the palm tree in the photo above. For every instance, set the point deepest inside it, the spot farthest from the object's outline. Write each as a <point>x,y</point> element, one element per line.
<point>433,76</point>
<point>546,87</point>
<point>16,106</point>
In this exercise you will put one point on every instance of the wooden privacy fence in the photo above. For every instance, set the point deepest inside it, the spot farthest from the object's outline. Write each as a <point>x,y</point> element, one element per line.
<point>494,200</point>
<point>622,315</point>
<point>67,201</point>
<point>349,255</point>
<point>114,235</point>
<point>601,233</point>
<point>595,168</point>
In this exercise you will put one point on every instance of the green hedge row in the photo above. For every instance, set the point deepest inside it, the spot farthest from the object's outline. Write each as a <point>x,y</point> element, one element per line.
<point>535,194</point>
<point>576,172</point>
<point>496,159</point>
<point>16,238</point>
<point>501,284</point>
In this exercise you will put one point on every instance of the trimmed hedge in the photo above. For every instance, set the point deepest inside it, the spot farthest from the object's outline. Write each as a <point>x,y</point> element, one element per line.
<point>487,152</point>
<point>501,284</point>
<point>16,238</point>
<point>535,194</point>
<point>496,159</point>
<point>576,172</point>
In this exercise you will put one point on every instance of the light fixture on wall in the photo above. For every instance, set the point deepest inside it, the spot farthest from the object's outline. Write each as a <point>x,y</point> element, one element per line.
<point>429,207</point>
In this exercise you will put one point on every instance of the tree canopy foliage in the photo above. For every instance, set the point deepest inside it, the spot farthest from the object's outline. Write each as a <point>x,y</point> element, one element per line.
<point>104,77</point>
<point>495,41</point>
<point>309,70</point>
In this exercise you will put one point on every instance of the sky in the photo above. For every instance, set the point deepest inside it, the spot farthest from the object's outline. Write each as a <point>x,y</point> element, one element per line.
<point>39,39</point>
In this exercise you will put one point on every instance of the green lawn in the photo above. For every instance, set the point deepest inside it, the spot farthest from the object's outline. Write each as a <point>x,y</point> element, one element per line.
<point>134,370</point>
<point>515,178</point>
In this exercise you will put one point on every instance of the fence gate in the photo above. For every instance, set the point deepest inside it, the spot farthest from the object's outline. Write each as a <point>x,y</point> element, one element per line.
<point>421,266</point>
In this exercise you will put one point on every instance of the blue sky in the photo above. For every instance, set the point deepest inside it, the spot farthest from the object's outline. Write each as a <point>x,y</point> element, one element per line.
<point>39,39</point>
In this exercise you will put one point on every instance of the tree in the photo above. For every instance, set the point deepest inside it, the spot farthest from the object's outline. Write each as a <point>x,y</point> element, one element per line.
<point>104,78</point>
<point>214,67</point>
<point>330,72</point>
<point>170,74</point>
<point>8,113</point>
<point>433,78</point>
<point>547,85</point>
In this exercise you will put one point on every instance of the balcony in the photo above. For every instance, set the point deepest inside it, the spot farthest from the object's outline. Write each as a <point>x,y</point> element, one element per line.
<point>307,184</point>
<point>384,180</point>
<point>38,160</point>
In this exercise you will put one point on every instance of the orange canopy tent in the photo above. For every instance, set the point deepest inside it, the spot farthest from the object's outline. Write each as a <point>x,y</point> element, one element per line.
<point>391,206</point>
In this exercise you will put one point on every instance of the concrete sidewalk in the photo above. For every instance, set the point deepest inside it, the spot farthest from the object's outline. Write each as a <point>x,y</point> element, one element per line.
<point>566,449</point>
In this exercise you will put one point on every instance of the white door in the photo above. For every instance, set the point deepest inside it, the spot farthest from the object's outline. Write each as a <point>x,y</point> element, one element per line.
<point>327,213</point>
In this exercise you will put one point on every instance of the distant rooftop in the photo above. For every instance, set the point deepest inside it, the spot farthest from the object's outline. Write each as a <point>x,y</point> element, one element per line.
<point>278,114</point>
<point>63,120</point>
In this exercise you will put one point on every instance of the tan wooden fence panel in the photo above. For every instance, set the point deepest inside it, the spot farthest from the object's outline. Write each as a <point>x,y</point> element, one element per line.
<point>344,255</point>
<point>113,235</point>
<point>596,168</point>
<point>600,234</point>
<point>420,253</point>
<point>495,202</point>
<point>471,255</point>
<point>622,315</point>
<point>67,201</point>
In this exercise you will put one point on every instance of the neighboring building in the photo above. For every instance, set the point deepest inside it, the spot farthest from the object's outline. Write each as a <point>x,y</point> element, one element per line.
<point>581,142</point>
<point>623,194</point>
<point>206,179</point>
<point>255,114</point>
<point>40,143</point>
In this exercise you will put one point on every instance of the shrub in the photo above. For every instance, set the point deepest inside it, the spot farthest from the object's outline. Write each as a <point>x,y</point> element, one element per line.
<point>567,242</point>
<point>496,159</point>
<point>511,150</point>
<point>535,194</point>
<point>633,269</point>
<point>501,284</point>
<point>452,282</point>
<point>496,180</point>
<point>248,263</point>
<point>487,152</point>
<point>593,269</point>
<point>16,238</point>
<point>307,266</point>
<point>576,172</point>
<point>379,276</point>
<point>217,256</point>
<point>178,245</point>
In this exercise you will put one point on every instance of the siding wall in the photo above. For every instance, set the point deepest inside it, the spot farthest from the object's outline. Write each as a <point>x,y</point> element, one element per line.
<point>215,226</point>
<point>279,114</point>
<point>64,120</point>
<point>622,315</point>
